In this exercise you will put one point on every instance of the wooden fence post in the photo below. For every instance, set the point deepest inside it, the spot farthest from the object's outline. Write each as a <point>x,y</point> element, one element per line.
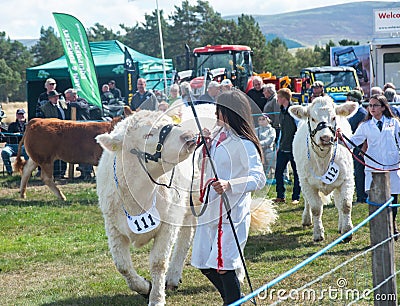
<point>381,228</point>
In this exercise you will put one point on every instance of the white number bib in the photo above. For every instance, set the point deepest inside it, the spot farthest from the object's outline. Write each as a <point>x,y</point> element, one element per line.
<point>332,174</point>
<point>145,222</point>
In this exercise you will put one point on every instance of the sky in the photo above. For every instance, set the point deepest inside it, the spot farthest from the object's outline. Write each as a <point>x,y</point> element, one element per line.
<point>24,18</point>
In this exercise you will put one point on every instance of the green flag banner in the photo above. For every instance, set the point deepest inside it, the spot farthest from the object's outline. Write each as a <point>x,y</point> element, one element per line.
<point>79,57</point>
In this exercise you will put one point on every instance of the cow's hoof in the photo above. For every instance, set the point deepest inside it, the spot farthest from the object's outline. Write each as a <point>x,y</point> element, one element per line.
<point>172,287</point>
<point>306,225</point>
<point>347,239</point>
<point>23,196</point>
<point>319,239</point>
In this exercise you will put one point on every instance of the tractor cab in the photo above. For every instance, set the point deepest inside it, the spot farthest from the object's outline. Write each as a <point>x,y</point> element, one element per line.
<point>223,62</point>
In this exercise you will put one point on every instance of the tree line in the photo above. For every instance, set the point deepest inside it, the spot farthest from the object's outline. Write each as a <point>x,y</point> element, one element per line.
<point>193,25</point>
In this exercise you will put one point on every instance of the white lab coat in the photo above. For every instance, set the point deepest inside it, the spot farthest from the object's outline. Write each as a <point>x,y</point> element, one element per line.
<point>383,146</point>
<point>238,161</point>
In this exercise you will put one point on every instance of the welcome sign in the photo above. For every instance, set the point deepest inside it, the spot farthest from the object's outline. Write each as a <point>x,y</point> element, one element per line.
<point>387,20</point>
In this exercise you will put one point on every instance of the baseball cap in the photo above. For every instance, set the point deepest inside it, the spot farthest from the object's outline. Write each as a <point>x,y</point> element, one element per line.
<point>20,111</point>
<point>317,84</point>
<point>53,93</point>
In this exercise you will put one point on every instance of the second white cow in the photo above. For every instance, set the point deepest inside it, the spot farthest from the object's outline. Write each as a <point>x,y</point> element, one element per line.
<point>324,166</point>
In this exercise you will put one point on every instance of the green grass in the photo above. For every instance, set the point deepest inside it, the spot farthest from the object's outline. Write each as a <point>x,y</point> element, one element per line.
<point>56,253</point>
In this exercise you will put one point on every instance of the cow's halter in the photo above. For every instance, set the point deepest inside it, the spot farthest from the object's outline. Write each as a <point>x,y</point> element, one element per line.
<point>320,126</point>
<point>159,147</point>
<point>155,156</point>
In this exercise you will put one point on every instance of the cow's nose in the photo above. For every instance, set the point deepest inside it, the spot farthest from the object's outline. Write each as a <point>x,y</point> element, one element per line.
<point>188,137</point>
<point>327,139</point>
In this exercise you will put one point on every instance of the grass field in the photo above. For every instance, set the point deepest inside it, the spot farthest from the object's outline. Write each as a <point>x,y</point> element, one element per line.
<point>56,253</point>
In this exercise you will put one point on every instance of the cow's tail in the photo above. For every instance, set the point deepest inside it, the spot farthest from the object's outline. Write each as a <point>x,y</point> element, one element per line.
<point>20,162</point>
<point>263,215</point>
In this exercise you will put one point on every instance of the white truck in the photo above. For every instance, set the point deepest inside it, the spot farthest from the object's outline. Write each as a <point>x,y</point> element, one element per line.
<point>385,61</point>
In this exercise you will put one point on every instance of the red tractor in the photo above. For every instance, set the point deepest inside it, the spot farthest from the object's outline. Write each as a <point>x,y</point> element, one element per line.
<point>220,62</point>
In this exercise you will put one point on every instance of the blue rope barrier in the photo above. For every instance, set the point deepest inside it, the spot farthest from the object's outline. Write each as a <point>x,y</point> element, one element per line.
<point>11,134</point>
<point>377,204</point>
<point>311,258</point>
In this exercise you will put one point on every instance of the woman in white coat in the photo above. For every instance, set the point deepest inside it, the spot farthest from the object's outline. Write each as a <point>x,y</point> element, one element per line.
<point>382,132</point>
<point>237,156</point>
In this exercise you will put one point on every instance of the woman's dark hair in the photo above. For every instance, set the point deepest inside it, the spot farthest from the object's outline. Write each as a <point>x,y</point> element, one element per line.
<point>234,106</point>
<point>383,102</point>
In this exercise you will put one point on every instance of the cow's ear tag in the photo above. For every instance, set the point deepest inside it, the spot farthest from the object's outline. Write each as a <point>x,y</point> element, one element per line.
<point>114,147</point>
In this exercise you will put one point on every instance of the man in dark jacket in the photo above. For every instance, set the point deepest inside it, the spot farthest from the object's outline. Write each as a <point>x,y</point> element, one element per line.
<point>143,99</point>
<point>13,135</point>
<point>285,148</point>
<point>81,105</point>
<point>257,96</point>
<point>114,90</point>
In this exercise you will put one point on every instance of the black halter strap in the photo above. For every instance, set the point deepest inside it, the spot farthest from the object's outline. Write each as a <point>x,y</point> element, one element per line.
<point>156,156</point>
<point>320,126</point>
<point>160,145</point>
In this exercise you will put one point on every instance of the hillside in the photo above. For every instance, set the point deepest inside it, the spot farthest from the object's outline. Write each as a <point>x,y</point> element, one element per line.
<point>353,21</point>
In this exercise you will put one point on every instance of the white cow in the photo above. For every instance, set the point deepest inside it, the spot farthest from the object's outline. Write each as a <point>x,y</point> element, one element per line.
<point>324,166</point>
<point>132,204</point>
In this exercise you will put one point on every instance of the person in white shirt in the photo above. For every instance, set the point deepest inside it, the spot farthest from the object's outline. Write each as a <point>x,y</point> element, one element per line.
<point>237,155</point>
<point>381,130</point>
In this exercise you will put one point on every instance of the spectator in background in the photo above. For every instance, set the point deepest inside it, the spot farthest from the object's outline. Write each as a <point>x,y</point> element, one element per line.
<point>160,95</point>
<point>271,108</point>
<point>391,85</point>
<point>376,90</point>
<point>266,134</point>
<point>186,93</point>
<point>50,85</point>
<point>106,94</point>
<point>359,168</point>
<point>114,90</point>
<point>285,151</point>
<point>256,94</point>
<point>13,136</point>
<point>212,92</point>
<point>82,113</point>
<point>226,85</point>
<point>317,89</point>
<point>390,95</point>
<point>81,105</point>
<point>56,108</point>
<point>174,93</point>
<point>143,99</point>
